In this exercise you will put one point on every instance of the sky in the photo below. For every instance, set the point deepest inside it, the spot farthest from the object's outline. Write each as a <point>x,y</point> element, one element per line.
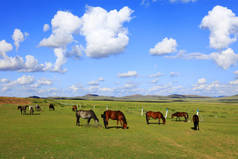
<point>118,48</point>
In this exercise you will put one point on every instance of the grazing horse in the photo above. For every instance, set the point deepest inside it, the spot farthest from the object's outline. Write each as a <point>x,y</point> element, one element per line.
<point>180,114</point>
<point>74,108</point>
<point>85,114</point>
<point>196,122</point>
<point>154,115</point>
<point>31,110</point>
<point>114,115</point>
<point>37,107</point>
<point>23,109</point>
<point>51,106</point>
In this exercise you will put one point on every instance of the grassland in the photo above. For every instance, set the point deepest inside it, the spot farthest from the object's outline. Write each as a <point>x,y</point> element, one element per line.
<point>53,134</point>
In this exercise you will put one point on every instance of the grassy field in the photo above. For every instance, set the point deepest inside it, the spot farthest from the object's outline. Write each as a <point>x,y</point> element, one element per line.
<point>53,134</point>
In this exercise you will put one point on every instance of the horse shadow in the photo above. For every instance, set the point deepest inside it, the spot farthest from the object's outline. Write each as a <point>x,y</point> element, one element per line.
<point>116,127</point>
<point>155,123</point>
<point>32,114</point>
<point>193,128</point>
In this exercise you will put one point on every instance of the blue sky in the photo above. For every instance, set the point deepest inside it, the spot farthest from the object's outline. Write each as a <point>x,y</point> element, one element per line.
<point>119,47</point>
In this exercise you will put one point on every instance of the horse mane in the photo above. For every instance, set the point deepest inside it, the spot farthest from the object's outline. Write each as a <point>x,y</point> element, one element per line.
<point>124,118</point>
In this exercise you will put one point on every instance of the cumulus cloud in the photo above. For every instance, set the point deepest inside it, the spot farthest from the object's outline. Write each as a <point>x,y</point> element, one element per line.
<point>104,31</point>
<point>164,47</point>
<point>46,27</point>
<point>223,26</point>
<point>18,37</point>
<point>64,24</point>
<point>17,63</point>
<point>76,51</point>
<point>128,74</point>
<point>225,59</point>
<point>4,47</point>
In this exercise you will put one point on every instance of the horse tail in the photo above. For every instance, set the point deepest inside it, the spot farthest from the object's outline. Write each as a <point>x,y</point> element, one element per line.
<point>94,115</point>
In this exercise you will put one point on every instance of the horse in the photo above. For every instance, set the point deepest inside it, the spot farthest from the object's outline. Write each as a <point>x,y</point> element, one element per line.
<point>74,108</point>
<point>51,106</point>
<point>22,109</point>
<point>114,115</point>
<point>154,115</point>
<point>37,107</point>
<point>196,122</point>
<point>85,114</point>
<point>180,114</point>
<point>31,110</point>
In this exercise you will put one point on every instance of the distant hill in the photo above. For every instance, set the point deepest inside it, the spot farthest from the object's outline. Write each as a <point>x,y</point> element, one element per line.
<point>34,97</point>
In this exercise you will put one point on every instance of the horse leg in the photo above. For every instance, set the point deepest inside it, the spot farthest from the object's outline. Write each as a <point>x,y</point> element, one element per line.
<point>121,123</point>
<point>105,123</point>
<point>159,120</point>
<point>77,120</point>
<point>147,119</point>
<point>89,120</point>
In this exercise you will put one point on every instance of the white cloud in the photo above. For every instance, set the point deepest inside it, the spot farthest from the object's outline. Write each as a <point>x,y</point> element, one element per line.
<point>64,24</point>
<point>18,37</point>
<point>46,27</point>
<point>158,74</point>
<point>4,80</point>
<point>25,80</point>
<point>164,47</point>
<point>128,74</point>
<point>155,81</point>
<point>74,88</point>
<point>60,60</point>
<point>225,59</point>
<point>104,31</point>
<point>223,26</point>
<point>234,82</point>
<point>202,80</point>
<point>76,51</point>
<point>95,83</point>
<point>4,47</point>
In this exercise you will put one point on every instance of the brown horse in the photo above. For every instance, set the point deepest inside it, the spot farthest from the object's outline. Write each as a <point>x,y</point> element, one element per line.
<point>180,114</point>
<point>196,122</point>
<point>154,115</point>
<point>74,108</point>
<point>114,115</point>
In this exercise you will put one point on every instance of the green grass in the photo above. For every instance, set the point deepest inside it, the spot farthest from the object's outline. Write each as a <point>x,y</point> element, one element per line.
<point>53,134</point>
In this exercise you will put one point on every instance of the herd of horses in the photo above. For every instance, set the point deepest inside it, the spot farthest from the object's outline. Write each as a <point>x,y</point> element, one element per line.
<point>114,115</point>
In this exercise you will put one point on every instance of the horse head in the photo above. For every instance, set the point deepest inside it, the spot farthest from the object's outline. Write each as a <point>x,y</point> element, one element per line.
<point>164,120</point>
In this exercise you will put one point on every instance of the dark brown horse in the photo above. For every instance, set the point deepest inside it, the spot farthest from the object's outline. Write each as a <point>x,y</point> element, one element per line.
<point>180,114</point>
<point>154,115</point>
<point>114,115</point>
<point>74,108</point>
<point>196,122</point>
<point>22,109</point>
<point>51,106</point>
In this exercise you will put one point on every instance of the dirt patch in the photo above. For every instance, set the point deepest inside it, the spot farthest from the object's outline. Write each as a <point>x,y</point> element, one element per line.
<point>14,100</point>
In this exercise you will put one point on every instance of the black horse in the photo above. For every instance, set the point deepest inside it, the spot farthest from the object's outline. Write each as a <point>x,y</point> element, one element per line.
<point>51,107</point>
<point>22,109</point>
<point>85,114</point>
<point>37,107</point>
<point>196,122</point>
